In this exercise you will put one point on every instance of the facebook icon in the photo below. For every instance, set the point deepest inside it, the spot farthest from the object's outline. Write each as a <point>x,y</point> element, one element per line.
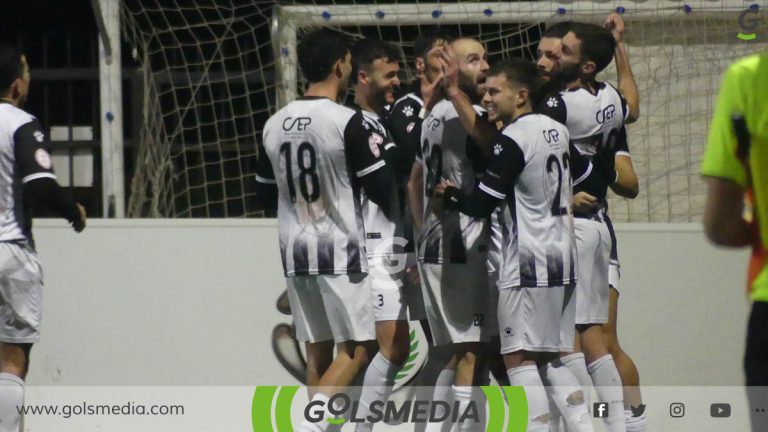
<point>600,410</point>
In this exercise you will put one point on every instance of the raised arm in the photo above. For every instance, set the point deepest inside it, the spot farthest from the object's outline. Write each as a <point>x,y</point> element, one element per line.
<point>627,85</point>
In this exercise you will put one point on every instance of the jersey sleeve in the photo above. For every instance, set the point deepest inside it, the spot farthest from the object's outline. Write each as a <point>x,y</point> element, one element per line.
<point>264,172</point>
<point>506,163</point>
<point>363,146</point>
<point>720,158</point>
<point>580,167</point>
<point>405,127</point>
<point>554,107</point>
<point>32,152</point>
<point>622,143</point>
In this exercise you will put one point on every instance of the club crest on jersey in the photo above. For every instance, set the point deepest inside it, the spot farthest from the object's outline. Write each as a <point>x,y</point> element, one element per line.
<point>552,102</point>
<point>408,111</point>
<point>497,149</point>
<point>39,136</point>
<point>551,136</point>
<point>43,158</point>
<point>410,127</point>
<point>300,123</point>
<point>606,114</point>
<point>374,141</point>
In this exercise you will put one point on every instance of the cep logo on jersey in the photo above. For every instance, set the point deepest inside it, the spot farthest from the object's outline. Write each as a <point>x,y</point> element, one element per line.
<point>43,159</point>
<point>374,141</point>
<point>39,136</point>
<point>551,136</point>
<point>606,114</point>
<point>300,123</point>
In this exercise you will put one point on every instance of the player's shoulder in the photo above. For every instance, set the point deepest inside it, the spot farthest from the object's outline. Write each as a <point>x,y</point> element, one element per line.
<point>408,105</point>
<point>14,117</point>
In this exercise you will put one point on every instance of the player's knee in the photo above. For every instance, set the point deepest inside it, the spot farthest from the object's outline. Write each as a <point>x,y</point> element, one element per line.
<point>575,398</point>
<point>398,352</point>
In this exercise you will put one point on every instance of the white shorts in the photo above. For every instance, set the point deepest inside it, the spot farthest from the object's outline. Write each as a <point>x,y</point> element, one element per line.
<point>536,319</point>
<point>456,300</point>
<point>614,271</point>
<point>386,279</point>
<point>593,242</point>
<point>414,298</point>
<point>21,293</point>
<point>332,307</point>
<point>492,317</point>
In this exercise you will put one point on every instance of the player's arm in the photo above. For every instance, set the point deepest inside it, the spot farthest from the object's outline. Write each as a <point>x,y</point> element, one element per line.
<point>627,84</point>
<point>405,128</point>
<point>724,174</point>
<point>365,156</point>
<point>266,185</point>
<point>41,191</point>
<point>502,173</point>
<point>482,131</point>
<point>416,193</point>
<point>626,183</point>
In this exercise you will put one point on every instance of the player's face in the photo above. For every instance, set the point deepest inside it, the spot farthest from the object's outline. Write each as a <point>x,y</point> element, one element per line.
<point>568,59</point>
<point>547,56</point>
<point>473,65</point>
<point>384,81</point>
<point>500,99</point>
<point>22,86</point>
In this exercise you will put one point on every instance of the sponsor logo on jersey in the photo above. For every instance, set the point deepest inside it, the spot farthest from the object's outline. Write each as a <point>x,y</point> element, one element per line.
<point>551,136</point>
<point>43,158</point>
<point>606,114</point>
<point>374,141</point>
<point>410,127</point>
<point>298,123</point>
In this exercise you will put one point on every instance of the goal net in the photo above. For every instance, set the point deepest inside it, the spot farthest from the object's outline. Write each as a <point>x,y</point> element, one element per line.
<point>215,70</point>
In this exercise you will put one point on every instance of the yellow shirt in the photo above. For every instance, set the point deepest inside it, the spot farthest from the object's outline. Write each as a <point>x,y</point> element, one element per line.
<point>744,90</point>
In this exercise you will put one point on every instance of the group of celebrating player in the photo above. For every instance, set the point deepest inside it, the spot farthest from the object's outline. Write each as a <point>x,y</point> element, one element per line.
<point>492,181</point>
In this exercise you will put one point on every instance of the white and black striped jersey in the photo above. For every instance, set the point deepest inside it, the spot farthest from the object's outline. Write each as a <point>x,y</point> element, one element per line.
<point>593,120</point>
<point>318,149</point>
<point>25,157</point>
<point>449,153</point>
<point>383,233</point>
<point>530,170</point>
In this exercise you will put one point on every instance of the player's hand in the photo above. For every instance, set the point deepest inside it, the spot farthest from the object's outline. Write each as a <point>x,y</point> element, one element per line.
<point>441,187</point>
<point>412,276</point>
<point>431,92</point>
<point>615,24</point>
<point>79,225</point>
<point>450,69</point>
<point>584,202</point>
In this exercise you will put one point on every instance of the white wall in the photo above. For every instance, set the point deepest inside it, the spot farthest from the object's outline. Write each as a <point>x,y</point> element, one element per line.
<point>192,302</point>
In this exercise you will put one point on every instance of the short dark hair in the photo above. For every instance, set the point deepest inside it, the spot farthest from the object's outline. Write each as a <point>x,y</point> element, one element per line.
<point>10,65</point>
<point>520,72</point>
<point>557,30</point>
<point>426,41</point>
<point>368,50</point>
<point>318,51</point>
<point>597,44</point>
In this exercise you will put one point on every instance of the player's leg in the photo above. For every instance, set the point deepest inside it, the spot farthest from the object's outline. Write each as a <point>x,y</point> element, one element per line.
<point>21,291</point>
<point>494,359</point>
<point>392,337</point>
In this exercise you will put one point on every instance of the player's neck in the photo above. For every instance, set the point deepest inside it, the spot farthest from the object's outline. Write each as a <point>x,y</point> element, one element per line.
<point>527,108</point>
<point>577,83</point>
<point>326,89</point>
<point>365,104</point>
<point>9,101</point>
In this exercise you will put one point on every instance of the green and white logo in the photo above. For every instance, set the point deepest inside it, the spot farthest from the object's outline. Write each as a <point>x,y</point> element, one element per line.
<point>271,410</point>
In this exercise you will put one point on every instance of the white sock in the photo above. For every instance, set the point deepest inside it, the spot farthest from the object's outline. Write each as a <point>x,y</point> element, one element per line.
<point>538,406</point>
<point>565,389</point>
<point>635,424</point>
<point>609,389</point>
<point>576,363</point>
<point>442,392</point>
<point>377,386</point>
<point>11,399</point>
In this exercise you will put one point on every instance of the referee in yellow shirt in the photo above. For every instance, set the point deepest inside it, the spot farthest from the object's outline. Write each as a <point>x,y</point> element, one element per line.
<point>735,168</point>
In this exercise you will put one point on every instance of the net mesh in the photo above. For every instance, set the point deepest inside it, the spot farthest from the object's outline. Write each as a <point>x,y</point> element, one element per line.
<point>210,85</point>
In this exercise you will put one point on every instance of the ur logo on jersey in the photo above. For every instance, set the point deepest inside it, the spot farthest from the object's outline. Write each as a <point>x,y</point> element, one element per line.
<point>299,123</point>
<point>433,123</point>
<point>551,136</point>
<point>606,114</point>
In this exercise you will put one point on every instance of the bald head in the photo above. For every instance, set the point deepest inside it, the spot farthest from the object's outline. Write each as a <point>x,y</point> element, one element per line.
<point>473,65</point>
